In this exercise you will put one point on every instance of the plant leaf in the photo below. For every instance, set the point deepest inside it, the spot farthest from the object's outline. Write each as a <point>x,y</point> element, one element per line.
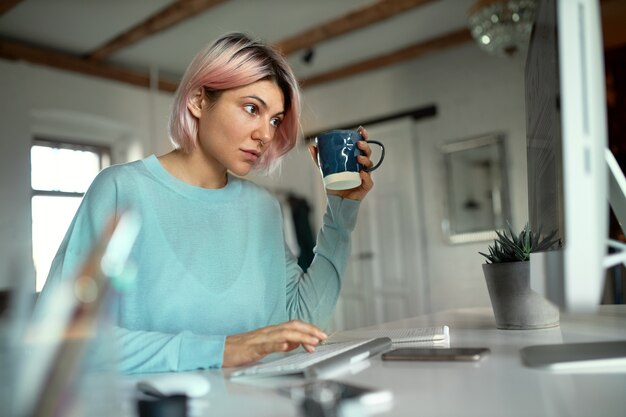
<point>511,247</point>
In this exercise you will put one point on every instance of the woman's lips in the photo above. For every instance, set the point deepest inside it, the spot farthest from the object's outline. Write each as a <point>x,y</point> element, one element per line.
<point>251,154</point>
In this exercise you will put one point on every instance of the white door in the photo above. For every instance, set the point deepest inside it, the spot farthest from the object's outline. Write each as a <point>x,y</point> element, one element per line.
<point>385,279</point>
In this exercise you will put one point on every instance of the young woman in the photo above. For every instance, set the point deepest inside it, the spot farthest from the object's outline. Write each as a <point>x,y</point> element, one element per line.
<point>216,285</point>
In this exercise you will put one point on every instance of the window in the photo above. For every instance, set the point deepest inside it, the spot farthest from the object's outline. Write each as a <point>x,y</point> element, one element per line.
<point>61,172</point>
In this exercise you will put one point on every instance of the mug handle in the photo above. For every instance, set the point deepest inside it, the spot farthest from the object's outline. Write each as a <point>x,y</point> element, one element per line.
<point>382,155</point>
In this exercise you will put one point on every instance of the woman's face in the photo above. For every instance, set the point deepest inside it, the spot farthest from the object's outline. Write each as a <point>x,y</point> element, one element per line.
<point>236,130</point>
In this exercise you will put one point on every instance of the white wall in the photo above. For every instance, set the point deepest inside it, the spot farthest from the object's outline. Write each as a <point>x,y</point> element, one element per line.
<point>494,103</point>
<point>41,101</point>
<point>474,93</point>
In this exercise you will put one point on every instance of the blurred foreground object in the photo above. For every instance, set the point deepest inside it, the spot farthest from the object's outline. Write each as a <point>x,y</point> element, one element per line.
<point>66,326</point>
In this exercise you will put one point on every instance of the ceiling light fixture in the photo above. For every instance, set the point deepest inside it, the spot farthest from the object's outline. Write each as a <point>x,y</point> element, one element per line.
<point>502,27</point>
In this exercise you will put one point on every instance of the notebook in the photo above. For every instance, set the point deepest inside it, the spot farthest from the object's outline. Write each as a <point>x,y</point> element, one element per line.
<point>399,337</point>
<point>326,359</point>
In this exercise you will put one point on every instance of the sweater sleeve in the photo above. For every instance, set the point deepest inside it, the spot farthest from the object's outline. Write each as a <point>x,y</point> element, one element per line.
<point>312,296</point>
<point>144,351</point>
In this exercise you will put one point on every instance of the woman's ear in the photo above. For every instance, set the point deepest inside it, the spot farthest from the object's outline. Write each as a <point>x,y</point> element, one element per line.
<point>194,103</point>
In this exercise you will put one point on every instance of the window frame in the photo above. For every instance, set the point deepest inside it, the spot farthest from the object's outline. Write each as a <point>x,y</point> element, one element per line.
<point>103,152</point>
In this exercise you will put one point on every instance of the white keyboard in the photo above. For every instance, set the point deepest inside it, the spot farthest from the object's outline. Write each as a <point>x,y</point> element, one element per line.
<point>332,354</point>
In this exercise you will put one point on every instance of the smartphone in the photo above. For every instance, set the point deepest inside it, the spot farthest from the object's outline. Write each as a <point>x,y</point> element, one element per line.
<point>435,354</point>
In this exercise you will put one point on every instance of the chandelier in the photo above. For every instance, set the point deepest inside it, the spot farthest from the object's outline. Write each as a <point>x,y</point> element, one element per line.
<point>502,27</point>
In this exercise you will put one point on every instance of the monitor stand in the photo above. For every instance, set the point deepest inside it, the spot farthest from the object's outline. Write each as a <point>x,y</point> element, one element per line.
<point>594,356</point>
<point>607,356</point>
<point>617,200</point>
<point>617,188</point>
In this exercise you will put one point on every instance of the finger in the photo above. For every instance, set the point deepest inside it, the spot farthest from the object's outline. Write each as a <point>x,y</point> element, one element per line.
<point>304,327</point>
<point>366,181</point>
<point>283,347</point>
<point>286,347</point>
<point>313,152</point>
<point>363,132</point>
<point>291,346</point>
<point>294,336</point>
<point>285,331</point>
<point>275,346</point>
<point>365,161</point>
<point>363,146</point>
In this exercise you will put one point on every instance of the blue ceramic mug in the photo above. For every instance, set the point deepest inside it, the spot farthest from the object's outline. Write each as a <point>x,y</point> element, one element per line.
<point>337,158</point>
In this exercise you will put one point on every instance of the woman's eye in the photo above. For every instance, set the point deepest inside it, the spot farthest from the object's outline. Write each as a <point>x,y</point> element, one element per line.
<point>250,108</point>
<point>275,121</point>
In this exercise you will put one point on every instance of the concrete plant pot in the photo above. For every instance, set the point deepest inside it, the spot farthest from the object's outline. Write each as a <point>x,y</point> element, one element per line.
<point>515,305</point>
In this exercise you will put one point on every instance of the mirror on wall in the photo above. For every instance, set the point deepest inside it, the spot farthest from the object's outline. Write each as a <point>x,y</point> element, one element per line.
<point>477,195</point>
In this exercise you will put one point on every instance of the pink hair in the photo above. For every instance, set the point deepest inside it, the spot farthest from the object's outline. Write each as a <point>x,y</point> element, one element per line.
<point>233,61</point>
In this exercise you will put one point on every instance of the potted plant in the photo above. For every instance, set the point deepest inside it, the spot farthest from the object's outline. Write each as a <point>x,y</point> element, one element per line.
<point>507,274</point>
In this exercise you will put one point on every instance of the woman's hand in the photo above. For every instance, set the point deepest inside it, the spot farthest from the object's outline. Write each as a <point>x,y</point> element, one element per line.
<point>367,184</point>
<point>244,348</point>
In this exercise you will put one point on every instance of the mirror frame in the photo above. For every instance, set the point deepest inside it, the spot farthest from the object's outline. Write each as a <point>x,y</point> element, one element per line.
<point>501,213</point>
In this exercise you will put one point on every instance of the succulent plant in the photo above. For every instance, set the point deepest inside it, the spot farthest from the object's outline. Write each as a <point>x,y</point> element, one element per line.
<point>518,247</point>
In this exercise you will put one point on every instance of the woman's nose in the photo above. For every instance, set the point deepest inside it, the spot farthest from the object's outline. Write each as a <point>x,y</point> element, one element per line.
<point>264,133</point>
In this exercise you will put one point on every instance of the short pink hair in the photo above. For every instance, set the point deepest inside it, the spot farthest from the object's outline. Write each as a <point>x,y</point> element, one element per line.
<point>232,61</point>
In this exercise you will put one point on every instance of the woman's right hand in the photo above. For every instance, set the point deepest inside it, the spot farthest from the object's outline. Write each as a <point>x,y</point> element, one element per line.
<point>244,348</point>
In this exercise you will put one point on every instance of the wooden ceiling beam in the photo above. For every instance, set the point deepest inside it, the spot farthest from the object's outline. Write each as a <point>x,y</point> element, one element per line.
<point>167,17</point>
<point>19,51</point>
<point>13,50</point>
<point>358,19</point>
<point>6,5</point>
<point>433,45</point>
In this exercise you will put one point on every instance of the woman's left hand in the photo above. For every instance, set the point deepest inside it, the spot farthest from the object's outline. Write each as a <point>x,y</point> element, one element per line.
<point>367,184</point>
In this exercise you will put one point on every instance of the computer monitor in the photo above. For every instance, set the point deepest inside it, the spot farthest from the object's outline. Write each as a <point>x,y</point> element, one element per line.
<point>567,172</point>
<point>566,142</point>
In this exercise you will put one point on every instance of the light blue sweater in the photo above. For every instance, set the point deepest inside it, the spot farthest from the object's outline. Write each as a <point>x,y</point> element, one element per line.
<point>211,263</point>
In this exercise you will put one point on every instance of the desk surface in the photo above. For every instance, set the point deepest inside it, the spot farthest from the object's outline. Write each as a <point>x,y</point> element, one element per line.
<point>499,385</point>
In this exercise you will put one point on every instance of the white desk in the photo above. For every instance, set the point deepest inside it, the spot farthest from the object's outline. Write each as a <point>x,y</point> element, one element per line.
<point>499,385</point>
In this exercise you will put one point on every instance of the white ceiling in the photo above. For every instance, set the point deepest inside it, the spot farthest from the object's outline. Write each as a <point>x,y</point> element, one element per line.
<point>80,26</point>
